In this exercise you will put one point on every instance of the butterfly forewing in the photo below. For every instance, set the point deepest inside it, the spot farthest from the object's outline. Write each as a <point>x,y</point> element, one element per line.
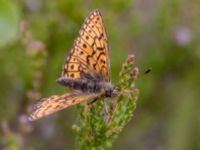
<point>90,52</point>
<point>58,102</point>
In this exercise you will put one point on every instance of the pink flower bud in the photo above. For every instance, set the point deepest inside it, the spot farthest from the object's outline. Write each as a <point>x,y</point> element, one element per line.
<point>130,58</point>
<point>135,71</point>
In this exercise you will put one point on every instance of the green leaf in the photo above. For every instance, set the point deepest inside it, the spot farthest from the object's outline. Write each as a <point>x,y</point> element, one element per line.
<point>9,22</point>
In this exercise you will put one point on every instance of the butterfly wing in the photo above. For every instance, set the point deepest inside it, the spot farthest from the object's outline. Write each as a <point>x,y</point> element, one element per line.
<point>90,52</point>
<point>58,102</point>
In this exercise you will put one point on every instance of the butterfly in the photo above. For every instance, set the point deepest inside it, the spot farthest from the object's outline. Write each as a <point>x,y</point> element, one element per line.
<point>86,70</point>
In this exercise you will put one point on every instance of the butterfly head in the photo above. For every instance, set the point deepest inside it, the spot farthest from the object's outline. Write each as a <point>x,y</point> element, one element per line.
<point>110,90</point>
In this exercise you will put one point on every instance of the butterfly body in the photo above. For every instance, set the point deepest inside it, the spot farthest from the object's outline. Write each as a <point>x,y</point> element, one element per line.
<point>89,86</point>
<point>86,70</point>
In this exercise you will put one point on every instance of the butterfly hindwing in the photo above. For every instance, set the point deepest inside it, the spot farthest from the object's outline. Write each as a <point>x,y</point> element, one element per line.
<point>90,52</point>
<point>58,102</point>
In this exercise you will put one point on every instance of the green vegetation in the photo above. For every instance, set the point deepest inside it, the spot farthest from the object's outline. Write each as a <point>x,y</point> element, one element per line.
<point>35,37</point>
<point>101,124</point>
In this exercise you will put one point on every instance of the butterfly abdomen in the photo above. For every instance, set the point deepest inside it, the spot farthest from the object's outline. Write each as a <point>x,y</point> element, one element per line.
<point>83,85</point>
<point>88,86</point>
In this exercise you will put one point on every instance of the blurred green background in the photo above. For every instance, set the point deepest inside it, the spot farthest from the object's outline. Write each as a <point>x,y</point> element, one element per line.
<point>164,35</point>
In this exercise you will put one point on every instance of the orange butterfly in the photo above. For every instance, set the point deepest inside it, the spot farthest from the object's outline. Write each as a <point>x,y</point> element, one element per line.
<point>86,70</point>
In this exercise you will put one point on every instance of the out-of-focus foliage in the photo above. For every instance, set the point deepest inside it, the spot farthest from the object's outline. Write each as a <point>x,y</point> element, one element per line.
<point>164,35</point>
<point>9,21</point>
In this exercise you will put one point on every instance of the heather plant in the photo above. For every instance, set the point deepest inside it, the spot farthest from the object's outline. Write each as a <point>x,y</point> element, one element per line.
<point>101,123</point>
